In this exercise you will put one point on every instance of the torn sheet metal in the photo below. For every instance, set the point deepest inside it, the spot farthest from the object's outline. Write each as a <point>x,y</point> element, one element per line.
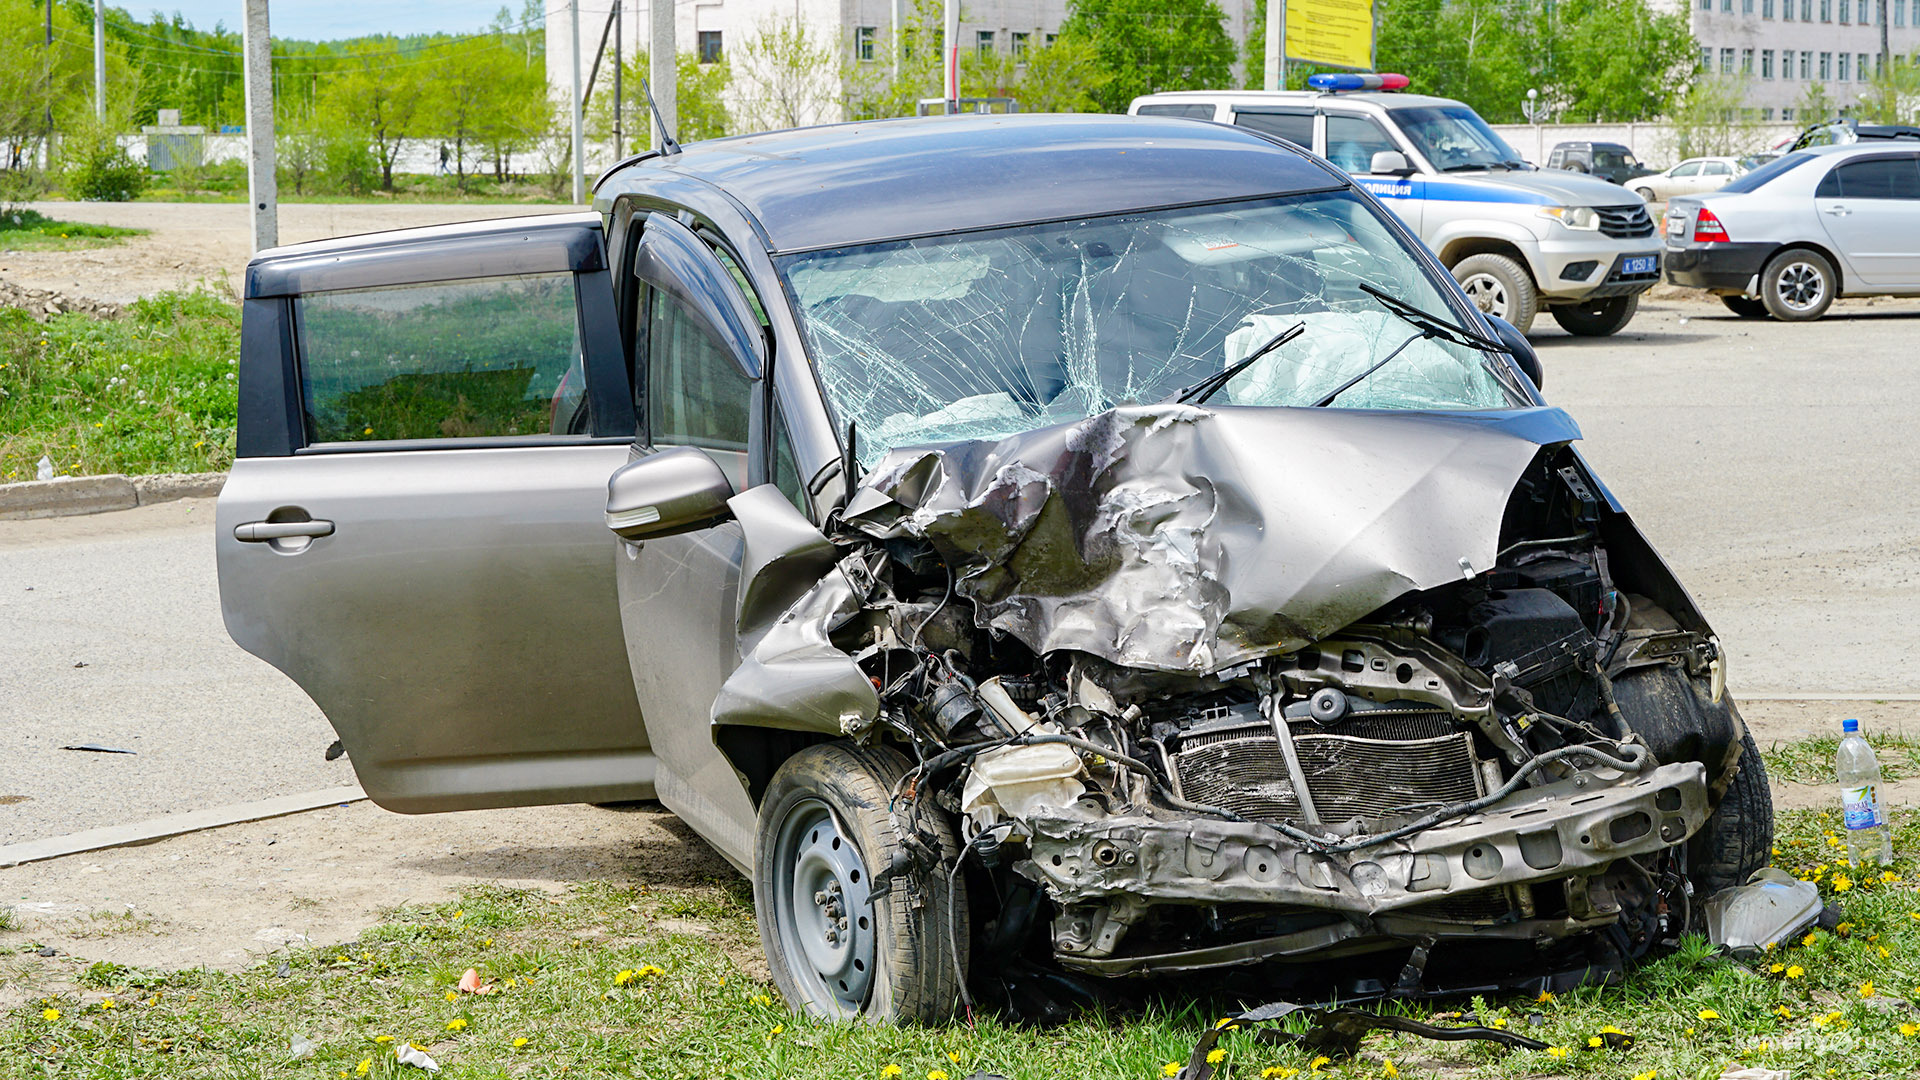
<point>1181,539</point>
<point>1772,908</point>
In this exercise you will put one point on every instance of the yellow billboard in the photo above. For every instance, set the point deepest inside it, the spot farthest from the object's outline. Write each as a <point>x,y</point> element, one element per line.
<point>1338,33</point>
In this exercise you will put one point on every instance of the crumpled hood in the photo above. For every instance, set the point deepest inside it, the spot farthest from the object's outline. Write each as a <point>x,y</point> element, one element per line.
<point>1175,538</point>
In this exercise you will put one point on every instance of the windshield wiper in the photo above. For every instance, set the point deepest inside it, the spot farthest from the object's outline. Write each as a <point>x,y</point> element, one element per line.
<point>1433,324</point>
<point>1429,325</point>
<point>1199,392</point>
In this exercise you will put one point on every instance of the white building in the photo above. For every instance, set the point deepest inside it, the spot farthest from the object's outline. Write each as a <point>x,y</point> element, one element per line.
<point>1785,46</point>
<point>856,28</point>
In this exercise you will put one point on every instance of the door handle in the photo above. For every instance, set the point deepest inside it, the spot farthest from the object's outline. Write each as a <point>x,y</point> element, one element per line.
<point>1838,211</point>
<point>259,532</point>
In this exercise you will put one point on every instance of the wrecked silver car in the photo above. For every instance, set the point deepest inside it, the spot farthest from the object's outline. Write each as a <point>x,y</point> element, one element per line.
<point>1051,549</point>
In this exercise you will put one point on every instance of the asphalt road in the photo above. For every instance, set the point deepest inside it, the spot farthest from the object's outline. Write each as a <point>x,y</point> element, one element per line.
<point>1773,465</point>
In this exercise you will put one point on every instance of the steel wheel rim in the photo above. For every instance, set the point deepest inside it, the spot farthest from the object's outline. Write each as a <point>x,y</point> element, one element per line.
<point>822,912</point>
<point>1487,293</point>
<point>1801,285</point>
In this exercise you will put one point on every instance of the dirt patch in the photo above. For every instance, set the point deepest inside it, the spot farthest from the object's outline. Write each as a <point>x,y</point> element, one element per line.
<point>44,304</point>
<point>230,897</point>
<point>1790,721</point>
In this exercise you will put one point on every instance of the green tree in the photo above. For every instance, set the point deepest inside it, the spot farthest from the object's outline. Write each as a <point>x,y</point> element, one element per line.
<point>478,96</point>
<point>784,76</point>
<point>1712,118</point>
<point>1893,94</point>
<point>47,89</point>
<point>1615,60</point>
<point>700,101</point>
<point>1150,45</point>
<point>380,99</point>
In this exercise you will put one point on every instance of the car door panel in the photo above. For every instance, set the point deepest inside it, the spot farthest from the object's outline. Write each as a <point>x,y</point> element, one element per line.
<point>413,544</point>
<point>1870,208</point>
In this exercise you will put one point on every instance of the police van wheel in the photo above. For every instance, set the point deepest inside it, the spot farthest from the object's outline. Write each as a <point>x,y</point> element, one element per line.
<point>1498,285</point>
<point>1596,318</point>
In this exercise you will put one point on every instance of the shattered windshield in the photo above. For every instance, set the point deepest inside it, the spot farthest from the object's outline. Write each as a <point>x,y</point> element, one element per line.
<point>1454,138</point>
<point>986,334</point>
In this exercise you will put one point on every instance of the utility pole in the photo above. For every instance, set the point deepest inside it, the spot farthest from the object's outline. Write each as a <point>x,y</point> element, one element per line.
<point>579,162</point>
<point>662,74</point>
<point>893,36</point>
<point>100,60</point>
<point>1276,64</point>
<point>619,102</point>
<point>1886,53</point>
<point>257,67</point>
<point>951,31</point>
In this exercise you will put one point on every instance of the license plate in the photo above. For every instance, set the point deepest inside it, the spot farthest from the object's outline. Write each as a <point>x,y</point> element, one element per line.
<point>1640,264</point>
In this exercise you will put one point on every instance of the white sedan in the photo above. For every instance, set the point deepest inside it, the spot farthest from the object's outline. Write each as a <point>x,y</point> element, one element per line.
<point>1690,177</point>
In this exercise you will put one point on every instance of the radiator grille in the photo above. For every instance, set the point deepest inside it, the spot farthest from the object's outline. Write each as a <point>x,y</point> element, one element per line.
<point>1622,222</point>
<point>1350,774</point>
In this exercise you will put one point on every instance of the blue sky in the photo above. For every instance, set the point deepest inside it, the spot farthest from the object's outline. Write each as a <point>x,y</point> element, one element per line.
<point>322,20</point>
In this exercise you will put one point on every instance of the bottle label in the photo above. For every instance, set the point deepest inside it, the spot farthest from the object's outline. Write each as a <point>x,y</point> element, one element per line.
<point>1861,806</point>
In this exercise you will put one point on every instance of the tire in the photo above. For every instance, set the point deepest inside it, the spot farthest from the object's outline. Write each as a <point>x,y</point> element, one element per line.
<point>1738,836</point>
<point>1498,285</point>
<point>1576,166</point>
<point>1798,285</point>
<point>1746,306</point>
<point>1646,195</point>
<point>823,824</point>
<point>1596,318</point>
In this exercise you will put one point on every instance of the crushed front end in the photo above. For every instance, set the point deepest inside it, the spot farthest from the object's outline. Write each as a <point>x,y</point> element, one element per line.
<point>1219,688</point>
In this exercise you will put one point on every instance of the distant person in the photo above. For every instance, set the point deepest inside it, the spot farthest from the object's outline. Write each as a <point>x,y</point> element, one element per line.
<point>444,155</point>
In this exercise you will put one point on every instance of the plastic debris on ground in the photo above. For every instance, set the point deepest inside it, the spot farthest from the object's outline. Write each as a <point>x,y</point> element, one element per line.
<point>96,748</point>
<point>302,1048</point>
<point>1755,1072</point>
<point>1772,907</point>
<point>470,984</point>
<point>407,1055</point>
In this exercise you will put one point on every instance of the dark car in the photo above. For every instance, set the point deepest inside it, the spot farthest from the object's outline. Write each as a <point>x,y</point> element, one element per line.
<point>1609,161</point>
<point>1030,548</point>
<point>1843,132</point>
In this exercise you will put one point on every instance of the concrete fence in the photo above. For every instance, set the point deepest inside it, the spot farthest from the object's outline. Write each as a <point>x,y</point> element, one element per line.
<point>1655,144</point>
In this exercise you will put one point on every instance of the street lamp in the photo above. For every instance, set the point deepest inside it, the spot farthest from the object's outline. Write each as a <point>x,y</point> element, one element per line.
<point>1533,111</point>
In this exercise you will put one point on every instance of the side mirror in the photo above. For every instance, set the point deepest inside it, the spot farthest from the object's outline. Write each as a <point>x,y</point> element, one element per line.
<point>1389,163</point>
<point>667,493</point>
<point>1522,349</point>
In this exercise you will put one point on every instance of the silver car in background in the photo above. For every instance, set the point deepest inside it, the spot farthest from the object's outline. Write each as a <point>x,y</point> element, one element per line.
<point>1792,236</point>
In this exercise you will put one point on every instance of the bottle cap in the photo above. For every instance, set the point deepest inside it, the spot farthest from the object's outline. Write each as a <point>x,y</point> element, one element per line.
<point>1849,726</point>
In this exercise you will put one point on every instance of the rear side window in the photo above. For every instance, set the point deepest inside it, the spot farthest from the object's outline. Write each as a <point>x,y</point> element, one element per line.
<point>1295,127</point>
<point>485,357</point>
<point>1873,178</point>
<point>1191,112</point>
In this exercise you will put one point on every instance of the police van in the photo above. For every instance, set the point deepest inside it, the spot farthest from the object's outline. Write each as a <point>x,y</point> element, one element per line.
<point>1517,238</point>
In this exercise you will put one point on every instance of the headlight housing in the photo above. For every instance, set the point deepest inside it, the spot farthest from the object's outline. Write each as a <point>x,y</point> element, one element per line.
<point>1583,218</point>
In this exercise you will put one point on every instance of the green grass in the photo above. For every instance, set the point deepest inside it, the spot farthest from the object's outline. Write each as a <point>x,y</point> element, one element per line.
<point>152,391</point>
<point>556,964</point>
<point>1810,761</point>
<point>28,230</point>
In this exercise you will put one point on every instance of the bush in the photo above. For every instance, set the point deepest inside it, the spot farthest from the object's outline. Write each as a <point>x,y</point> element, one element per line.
<point>100,170</point>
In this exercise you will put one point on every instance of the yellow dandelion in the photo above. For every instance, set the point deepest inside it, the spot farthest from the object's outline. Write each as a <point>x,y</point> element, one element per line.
<point>936,1074</point>
<point>519,1042</point>
<point>1595,1042</point>
<point>1545,998</point>
<point>1648,1075</point>
<point>1707,1014</point>
<point>1388,1070</point>
<point>365,1067</point>
<point>1558,1051</point>
<point>1844,928</point>
<point>1884,954</point>
<point>487,944</point>
<point>1841,883</point>
<point>107,1003</point>
<point>953,1056</point>
<point>762,999</point>
<point>383,1039</point>
<point>1889,877</point>
<point>1810,938</point>
<point>1215,1057</point>
<point>1276,1072</point>
<point>1909,1030</point>
<point>778,1028</point>
<point>625,977</point>
<point>1689,1031</point>
<point>1794,971</point>
<point>890,1070</point>
<point>1777,968</point>
<point>648,971</point>
<point>1319,1063</point>
<point>1171,1068</point>
<point>50,1015</point>
<point>1497,1022</point>
<point>458,1023</point>
<point>1866,989</point>
<point>1823,1021</point>
<point>1783,1012</point>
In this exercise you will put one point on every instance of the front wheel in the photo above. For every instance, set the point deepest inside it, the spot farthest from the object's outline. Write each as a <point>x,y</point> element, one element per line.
<point>1499,285</point>
<point>835,952</point>
<point>1798,285</point>
<point>1646,194</point>
<point>1746,306</point>
<point>1596,318</point>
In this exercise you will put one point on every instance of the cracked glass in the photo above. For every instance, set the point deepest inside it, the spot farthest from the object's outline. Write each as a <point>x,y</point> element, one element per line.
<point>986,334</point>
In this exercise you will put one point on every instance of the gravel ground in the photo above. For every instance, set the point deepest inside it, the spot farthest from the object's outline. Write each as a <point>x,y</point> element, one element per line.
<point>191,242</point>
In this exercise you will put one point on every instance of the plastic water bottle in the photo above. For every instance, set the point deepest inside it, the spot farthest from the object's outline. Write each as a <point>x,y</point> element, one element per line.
<point>45,471</point>
<point>1869,837</point>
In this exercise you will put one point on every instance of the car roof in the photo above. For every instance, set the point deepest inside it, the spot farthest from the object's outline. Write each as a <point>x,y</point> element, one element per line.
<point>856,183</point>
<point>1386,99</point>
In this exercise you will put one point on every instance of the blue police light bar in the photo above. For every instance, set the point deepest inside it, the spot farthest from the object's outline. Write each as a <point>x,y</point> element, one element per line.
<point>1332,83</point>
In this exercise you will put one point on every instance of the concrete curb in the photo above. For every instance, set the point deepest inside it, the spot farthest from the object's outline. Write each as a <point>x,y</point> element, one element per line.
<point>160,828</point>
<point>68,495</point>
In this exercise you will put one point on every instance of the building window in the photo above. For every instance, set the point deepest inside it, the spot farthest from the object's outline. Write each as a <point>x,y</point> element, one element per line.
<point>1766,63</point>
<point>1826,10</point>
<point>1786,10</point>
<point>1020,43</point>
<point>1843,68</point>
<point>1746,61</point>
<point>1806,10</point>
<point>1706,60</point>
<point>1051,38</point>
<point>863,42</point>
<point>1786,116</point>
<point>1846,12</point>
<point>709,46</point>
<point>1726,61</point>
<point>1860,67</point>
<point>1746,7</point>
<point>1826,66</point>
<point>1766,9</point>
<point>1899,12</point>
<point>983,42</point>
